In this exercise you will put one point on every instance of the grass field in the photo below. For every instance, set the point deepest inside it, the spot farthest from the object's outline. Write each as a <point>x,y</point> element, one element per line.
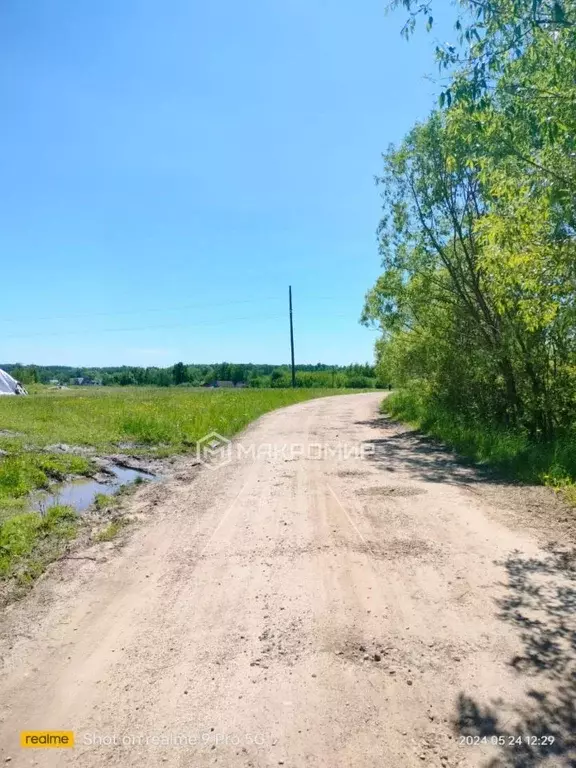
<point>108,417</point>
<point>130,419</point>
<point>109,420</point>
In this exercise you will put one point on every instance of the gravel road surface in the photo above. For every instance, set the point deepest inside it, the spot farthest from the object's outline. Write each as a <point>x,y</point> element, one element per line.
<point>340,593</point>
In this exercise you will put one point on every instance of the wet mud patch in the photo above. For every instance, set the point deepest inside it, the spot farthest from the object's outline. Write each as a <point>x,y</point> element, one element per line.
<point>81,493</point>
<point>353,473</point>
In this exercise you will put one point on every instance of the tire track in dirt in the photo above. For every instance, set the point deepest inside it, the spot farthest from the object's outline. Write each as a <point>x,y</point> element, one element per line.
<point>314,608</point>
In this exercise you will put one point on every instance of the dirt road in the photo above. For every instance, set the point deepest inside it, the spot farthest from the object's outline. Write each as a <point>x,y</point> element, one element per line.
<point>340,594</point>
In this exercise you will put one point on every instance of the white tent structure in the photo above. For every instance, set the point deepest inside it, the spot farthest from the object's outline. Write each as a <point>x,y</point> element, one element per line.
<point>9,386</point>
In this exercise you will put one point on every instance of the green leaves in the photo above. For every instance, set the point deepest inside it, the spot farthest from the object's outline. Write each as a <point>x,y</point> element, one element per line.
<point>558,13</point>
<point>478,237</point>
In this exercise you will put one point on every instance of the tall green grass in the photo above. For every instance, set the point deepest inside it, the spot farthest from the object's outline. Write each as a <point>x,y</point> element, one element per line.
<point>28,541</point>
<point>512,453</point>
<point>25,471</point>
<point>106,417</point>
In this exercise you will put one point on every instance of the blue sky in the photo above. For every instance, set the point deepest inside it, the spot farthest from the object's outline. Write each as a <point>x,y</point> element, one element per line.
<point>169,168</point>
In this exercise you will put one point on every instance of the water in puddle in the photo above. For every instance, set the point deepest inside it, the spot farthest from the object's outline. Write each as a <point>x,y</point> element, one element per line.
<point>81,493</point>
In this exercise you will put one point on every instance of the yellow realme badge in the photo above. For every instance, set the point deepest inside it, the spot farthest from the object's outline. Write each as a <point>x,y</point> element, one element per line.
<point>47,739</point>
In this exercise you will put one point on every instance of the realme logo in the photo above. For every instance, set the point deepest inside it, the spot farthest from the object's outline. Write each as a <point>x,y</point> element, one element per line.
<point>47,739</point>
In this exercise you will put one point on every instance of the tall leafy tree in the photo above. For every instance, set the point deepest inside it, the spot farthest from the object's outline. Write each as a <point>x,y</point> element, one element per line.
<point>477,296</point>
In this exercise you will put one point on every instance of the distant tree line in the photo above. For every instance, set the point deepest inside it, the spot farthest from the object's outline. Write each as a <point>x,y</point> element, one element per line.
<point>355,376</point>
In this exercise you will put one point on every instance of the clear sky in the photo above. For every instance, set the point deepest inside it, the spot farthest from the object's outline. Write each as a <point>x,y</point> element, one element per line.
<point>168,168</point>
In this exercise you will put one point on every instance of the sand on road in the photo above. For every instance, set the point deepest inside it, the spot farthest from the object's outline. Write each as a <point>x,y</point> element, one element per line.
<point>341,593</point>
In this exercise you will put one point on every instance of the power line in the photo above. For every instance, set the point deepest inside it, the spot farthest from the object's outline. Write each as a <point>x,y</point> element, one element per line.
<point>141,327</point>
<point>142,311</point>
<point>226,321</point>
<point>146,310</point>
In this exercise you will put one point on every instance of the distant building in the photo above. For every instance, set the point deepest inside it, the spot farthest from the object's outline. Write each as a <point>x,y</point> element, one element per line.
<point>240,384</point>
<point>54,382</point>
<point>84,381</point>
<point>225,384</point>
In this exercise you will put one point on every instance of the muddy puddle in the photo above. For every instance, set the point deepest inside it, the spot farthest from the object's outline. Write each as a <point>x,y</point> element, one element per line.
<point>80,493</point>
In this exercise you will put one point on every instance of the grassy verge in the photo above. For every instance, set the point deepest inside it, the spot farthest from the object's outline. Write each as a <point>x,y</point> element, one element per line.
<point>111,530</point>
<point>28,541</point>
<point>166,421</point>
<point>511,453</point>
<point>23,471</point>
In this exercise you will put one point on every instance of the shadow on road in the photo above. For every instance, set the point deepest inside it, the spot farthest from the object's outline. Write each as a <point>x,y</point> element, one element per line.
<point>423,456</point>
<point>541,604</point>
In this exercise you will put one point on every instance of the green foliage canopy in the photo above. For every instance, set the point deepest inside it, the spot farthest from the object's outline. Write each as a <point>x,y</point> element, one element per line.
<point>477,296</point>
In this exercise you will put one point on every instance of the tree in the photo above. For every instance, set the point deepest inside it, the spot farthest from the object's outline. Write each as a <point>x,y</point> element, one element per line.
<point>477,295</point>
<point>179,373</point>
<point>278,378</point>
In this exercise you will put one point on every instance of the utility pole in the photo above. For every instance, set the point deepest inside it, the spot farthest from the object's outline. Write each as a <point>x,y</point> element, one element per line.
<point>291,336</point>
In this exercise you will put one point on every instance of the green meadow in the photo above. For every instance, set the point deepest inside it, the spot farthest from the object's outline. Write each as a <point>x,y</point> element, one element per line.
<point>139,420</point>
<point>106,418</point>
